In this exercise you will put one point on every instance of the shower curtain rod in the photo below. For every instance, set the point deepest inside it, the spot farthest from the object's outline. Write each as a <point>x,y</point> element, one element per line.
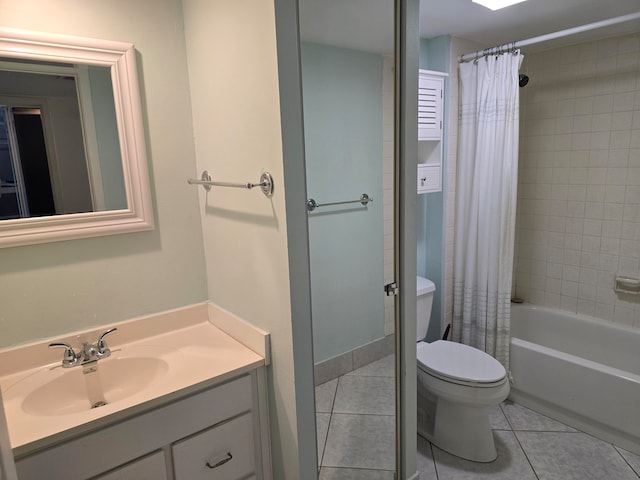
<point>549,36</point>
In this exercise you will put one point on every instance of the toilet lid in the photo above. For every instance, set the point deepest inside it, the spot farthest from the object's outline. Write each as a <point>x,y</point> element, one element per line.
<point>459,362</point>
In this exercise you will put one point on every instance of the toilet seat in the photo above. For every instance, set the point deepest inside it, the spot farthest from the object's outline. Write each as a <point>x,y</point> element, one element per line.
<point>460,364</point>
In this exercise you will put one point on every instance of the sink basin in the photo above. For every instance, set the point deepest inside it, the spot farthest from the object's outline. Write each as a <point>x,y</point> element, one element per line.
<point>63,391</point>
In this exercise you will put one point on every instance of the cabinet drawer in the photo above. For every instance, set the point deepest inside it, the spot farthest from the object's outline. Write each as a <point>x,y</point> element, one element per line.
<point>151,467</point>
<point>224,452</point>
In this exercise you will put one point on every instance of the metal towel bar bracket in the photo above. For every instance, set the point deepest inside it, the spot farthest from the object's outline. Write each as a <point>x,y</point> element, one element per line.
<point>312,204</point>
<point>265,183</point>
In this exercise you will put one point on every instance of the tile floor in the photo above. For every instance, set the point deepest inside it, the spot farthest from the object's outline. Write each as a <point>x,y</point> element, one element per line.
<point>355,418</point>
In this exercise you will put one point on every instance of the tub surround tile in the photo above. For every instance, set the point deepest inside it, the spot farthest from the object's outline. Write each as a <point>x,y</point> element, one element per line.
<point>521,418</point>
<point>360,441</point>
<point>355,474</point>
<point>589,124</point>
<point>325,395</point>
<point>322,428</point>
<point>631,458</point>
<point>573,456</point>
<point>510,464</point>
<point>365,395</point>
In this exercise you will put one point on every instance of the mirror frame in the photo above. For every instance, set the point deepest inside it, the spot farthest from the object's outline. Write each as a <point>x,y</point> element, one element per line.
<point>120,57</point>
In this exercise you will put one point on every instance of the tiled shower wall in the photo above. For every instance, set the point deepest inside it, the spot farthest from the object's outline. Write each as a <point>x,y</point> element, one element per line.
<point>578,217</point>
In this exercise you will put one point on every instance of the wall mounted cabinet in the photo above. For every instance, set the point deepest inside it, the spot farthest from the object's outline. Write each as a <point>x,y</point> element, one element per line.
<point>430,104</point>
<point>430,130</point>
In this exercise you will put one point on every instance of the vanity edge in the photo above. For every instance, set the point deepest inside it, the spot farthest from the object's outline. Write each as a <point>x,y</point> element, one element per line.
<point>14,360</point>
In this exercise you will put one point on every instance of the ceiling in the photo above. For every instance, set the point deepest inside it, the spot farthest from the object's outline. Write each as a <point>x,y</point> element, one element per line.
<point>532,18</point>
<point>367,24</point>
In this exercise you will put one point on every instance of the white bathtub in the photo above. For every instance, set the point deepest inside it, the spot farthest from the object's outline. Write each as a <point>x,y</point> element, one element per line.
<point>579,370</point>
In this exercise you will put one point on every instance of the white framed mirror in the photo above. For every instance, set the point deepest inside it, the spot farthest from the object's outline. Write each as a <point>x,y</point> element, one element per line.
<point>73,160</point>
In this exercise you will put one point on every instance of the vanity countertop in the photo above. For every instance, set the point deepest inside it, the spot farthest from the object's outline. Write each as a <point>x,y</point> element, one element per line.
<point>190,345</point>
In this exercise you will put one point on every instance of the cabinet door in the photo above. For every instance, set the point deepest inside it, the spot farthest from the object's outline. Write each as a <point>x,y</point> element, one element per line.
<point>429,107</point>
<point>7,467</point>
<point>151,467</point>
<point>223,452</point>
<point>429,178</point>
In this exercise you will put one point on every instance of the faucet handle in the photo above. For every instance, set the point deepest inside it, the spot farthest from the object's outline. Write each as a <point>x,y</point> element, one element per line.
<point>102,343</point>
<point>70,358</point>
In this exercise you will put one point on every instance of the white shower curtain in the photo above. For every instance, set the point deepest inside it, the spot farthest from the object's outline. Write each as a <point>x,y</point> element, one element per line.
<point>486,203</point>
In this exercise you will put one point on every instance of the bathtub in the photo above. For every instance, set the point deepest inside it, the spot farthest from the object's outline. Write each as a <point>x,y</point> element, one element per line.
<point>578,370</point>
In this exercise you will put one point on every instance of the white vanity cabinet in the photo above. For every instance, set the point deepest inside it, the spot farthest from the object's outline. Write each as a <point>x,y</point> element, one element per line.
<point>151,467</point>
<point>218,432</point>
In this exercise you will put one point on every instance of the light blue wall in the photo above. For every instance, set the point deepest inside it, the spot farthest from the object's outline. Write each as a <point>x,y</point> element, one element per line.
<point>51,289</point>
<point>108,143</point>
<point>342,94</point>
<point>434,55</point>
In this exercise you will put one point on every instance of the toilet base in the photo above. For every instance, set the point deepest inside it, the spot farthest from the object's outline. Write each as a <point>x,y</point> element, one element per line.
<point>459,429</point>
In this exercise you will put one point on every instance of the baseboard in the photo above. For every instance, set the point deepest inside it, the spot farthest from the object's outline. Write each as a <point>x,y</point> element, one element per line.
<point>352,360</point>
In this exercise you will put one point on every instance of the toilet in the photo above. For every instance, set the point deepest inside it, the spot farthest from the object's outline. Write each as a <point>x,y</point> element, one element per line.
<point>457,385</point>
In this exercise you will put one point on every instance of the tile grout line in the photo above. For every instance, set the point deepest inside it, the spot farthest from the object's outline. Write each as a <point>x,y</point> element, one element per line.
<point>625,460</point>
<point>435,464</point>
<point>326,438</point>
<point>524,452</point>
<point>333,403</point>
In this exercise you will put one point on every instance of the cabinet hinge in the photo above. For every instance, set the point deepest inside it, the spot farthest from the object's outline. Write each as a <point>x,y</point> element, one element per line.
<point>391,289</point>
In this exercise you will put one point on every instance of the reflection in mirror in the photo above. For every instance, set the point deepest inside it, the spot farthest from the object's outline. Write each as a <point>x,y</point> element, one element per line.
<point>52,160</point>
<point>72,153</point>
<point>348,99</point>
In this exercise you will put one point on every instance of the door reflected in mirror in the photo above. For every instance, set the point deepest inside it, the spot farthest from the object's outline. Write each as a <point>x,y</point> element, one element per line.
<point>52,159</point>
<point>347,60</point>
<point>72,151</point>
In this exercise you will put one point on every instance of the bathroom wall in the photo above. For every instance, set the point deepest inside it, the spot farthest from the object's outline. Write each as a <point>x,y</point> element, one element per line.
<point>343,95</point>
<point>579,180</point>
<point>52,289</point>
<point>255,247</point>
<point>434,55</point>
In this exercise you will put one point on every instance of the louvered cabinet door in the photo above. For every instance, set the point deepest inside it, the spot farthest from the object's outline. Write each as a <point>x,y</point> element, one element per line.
<point>430,93</point>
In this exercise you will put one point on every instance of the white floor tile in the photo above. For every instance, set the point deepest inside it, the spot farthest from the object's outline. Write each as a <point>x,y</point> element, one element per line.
<point>573,456</point>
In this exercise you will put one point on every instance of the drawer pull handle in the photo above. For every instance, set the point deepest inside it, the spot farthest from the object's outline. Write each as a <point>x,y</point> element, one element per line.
<point>221,462</point>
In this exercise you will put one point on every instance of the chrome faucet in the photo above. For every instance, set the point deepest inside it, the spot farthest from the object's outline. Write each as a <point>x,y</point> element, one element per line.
<point>90,353</point>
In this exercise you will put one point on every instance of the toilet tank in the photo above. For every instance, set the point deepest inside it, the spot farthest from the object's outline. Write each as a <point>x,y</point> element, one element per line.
<point>424,297</point>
